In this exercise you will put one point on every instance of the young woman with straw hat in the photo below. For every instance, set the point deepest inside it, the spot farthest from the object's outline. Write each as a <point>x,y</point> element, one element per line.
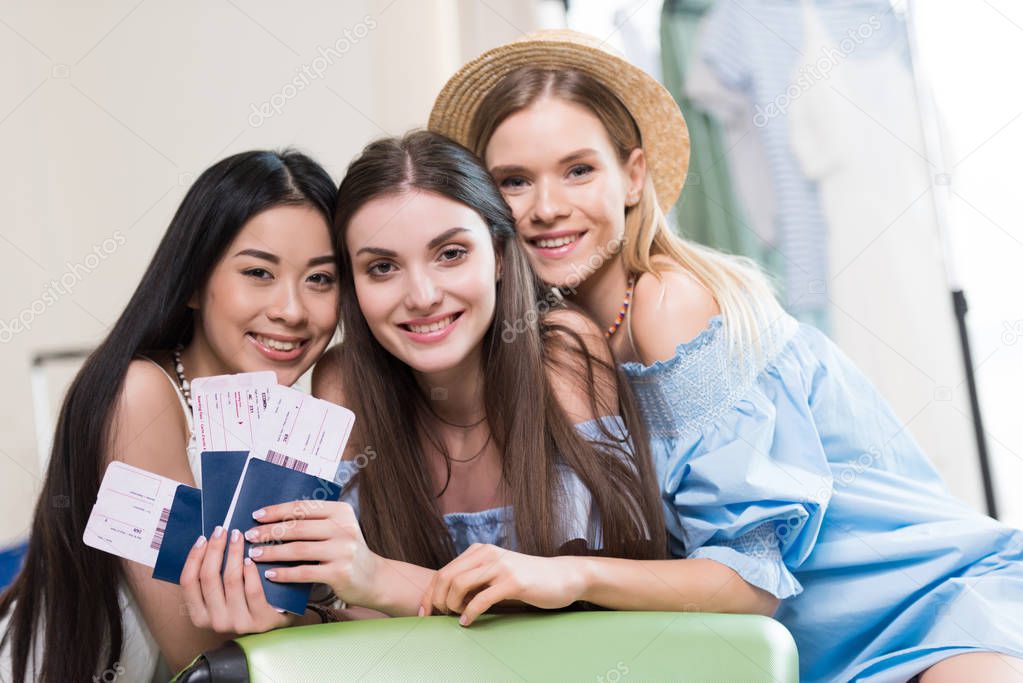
<point>778,463</point>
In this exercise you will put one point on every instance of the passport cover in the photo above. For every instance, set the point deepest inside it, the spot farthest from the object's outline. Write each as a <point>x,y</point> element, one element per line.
<point>221,471</point>
<point>264,483</point>
<point>184,524</point>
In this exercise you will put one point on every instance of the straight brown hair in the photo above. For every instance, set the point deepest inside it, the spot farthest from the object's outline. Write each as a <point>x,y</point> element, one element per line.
<point>399,514</point>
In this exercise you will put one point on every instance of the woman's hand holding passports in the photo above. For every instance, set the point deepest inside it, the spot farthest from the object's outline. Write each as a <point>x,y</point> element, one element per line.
<point>323,532</point>
<point>233,603</point>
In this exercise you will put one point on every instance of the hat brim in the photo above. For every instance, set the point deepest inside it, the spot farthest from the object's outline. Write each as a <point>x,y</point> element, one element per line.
<point>665,136</point>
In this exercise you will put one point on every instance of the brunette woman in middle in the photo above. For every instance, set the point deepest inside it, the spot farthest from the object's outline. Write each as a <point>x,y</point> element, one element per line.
<point>491,425</point>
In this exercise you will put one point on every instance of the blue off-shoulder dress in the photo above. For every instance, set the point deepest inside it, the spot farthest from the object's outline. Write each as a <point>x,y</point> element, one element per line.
<point>790,468</point>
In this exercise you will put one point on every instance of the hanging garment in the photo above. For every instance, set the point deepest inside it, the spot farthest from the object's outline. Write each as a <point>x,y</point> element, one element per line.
<point>754,48</point>
<point>745,157</point>
<point>708,210</point>
<point>857,133</point>
<point>637,21</point>
<point>628,26</point>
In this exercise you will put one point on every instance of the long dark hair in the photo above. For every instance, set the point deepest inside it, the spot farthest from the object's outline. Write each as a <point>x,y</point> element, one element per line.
<point>528,425</point>
<point>71,587</point>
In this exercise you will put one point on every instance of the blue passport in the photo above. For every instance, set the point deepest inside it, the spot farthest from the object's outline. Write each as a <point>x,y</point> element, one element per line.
<point>184,524</point>
<point>264,483</point>
<point>221,471</point>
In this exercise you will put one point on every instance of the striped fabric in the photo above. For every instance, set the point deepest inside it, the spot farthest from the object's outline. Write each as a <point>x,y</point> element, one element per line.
<point>756,47</point>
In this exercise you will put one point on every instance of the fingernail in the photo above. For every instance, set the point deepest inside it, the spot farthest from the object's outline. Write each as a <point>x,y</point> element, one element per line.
<point>200,542</point>
<point>269,573</point>
<point>248,560</point>
<point>255,552</point>
<point>258,514</point>
<point>422,612</point>
<point>463,620</point>
<point>235,535</point>
<point>251,534</point>
<point>218,532</point>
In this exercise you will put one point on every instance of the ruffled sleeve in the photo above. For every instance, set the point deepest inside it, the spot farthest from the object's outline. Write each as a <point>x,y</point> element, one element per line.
<point>751,490</point>
<point>745,478</point>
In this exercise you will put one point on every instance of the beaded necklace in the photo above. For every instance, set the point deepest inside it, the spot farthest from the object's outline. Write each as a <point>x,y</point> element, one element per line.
<point>179,370</point>
<point>625,309</point>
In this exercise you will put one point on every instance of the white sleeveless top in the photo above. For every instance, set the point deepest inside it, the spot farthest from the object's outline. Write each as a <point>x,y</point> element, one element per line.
<point>140,660</point>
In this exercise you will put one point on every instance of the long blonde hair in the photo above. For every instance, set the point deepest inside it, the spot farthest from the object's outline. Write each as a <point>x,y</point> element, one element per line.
<point>742,291</point>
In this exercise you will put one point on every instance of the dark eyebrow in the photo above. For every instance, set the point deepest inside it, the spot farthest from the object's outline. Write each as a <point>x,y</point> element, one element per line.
<point>568,158</point>
<point>273,258</point>
<point>320,260</point>
<point>444,237</point>
<point>378,251</point>
<point>434,243</point>
<point>256,253</point>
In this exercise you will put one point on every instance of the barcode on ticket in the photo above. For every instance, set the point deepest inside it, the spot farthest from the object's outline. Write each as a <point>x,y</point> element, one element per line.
<point>284,461</point>
<point>160,529</point>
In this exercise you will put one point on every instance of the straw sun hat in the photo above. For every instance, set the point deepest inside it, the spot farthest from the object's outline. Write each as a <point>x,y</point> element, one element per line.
<point>664,133</point>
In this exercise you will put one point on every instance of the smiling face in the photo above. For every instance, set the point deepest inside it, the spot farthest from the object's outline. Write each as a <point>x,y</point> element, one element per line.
<point>271,302</point>
<point>562,177</point>
<point>425,269</point>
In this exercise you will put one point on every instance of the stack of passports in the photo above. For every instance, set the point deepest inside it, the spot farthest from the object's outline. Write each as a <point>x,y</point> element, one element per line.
<point>262,483</point>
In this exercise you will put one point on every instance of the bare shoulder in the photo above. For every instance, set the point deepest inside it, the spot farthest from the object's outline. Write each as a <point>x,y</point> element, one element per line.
<point>327,382</point>
<point>149,428</point>
<point>668,308</point>
<point>580,367</point>
<point>149,431</point>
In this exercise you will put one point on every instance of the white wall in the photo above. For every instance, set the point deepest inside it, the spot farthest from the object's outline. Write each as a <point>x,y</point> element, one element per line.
<point>982,113</point>
<point>109,110</point>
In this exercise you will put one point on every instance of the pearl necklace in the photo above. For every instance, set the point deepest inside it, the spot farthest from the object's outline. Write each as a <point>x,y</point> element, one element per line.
<point>179,369</point>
